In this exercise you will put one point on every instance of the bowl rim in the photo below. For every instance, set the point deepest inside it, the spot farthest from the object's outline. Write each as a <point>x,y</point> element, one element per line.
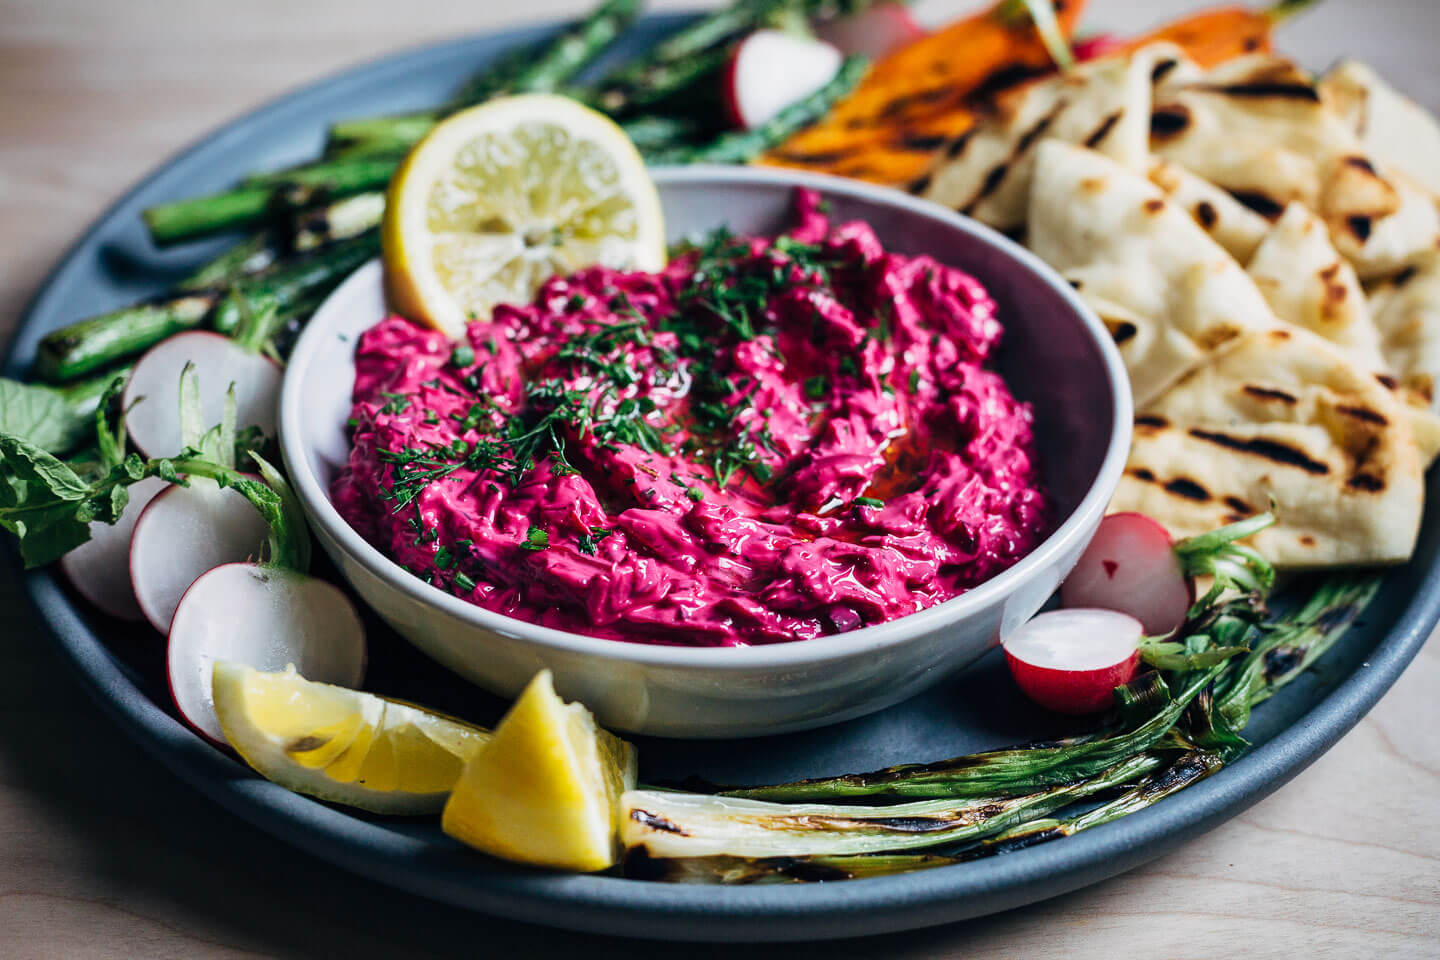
<point>322,513</point>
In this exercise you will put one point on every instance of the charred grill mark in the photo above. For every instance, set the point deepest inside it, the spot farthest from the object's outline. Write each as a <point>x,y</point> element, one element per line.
<point>901,104</point>
<point>1365,414</point>
<point>1021,842</point>
<point>1367,482</point>
<point>1189,489</point>
<point>1141,473</point>
<point>1361,226</point>
<point>921,184</point>
<point>961,142</point>
<point>1154,206</point>
<point>1239,506</point>
<point>1260,90</point>
<point>1260,447</point>
<point>1028,138</point>
<point>1206,213</point>
<point>1183,772</point>
<point>1306,540</point>
<point>1362,164</point>
<point>1162,70</point>
<point>1261,204</point>
<point>1103,131</point>
<point>1387,381</point>
<point>1268,393</point>
<point>1151,420</point>
<point>1124,330</point>
<point>993,179</point>
<point>1282,660</point>
<point>819,158</point>
<point>1169,121</point>
<point>924,142</point>
<point>1405,276</point>
<point>656,822</point>
<point>998,81</point>
<point>808,872</point>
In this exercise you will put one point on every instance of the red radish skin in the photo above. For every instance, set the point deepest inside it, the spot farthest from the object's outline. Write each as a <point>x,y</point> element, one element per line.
<point>874,32</point>
<point>1100,45</point>
<point>99,569</point>
<point>265,618</point>
<point>154,425</point>
<point>1131,566</point>
<point>771,69</point>
<point>181,534</point>
<point>1070,661</point>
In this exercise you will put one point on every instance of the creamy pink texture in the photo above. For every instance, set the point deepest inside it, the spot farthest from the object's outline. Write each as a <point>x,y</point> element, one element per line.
<point>854,374</point>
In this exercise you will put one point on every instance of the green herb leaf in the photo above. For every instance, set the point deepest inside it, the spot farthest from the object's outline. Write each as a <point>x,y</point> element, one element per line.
<point>41,416</point>
<point>462,356</point>
<point>536,539</point>
<point>40,471</point>
<point>869,502</point>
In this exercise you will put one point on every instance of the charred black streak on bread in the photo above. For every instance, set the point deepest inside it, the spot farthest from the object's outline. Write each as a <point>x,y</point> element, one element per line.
<point>1103,131</point>
<point>1206,214</point>
<point>1269,393</point>
<point>1268,208</point>
<point>1162,69</point>
<point>1362,163</point>
<point>1151,420</point>
<point>1239,506</point>
<point>921,183</point>
<point>1365,414</point>
<point>1154,206</point>
<point>1140,473</point>
<point>922,142</point>
<point>1367,482</point>
<point>1261,89</point>
<point>1123,331</point>
<point>1260,447</point>
<point>1169,120</point>
<point>997,173</point>
<point>1189,489</point>
<point>1360,225</point>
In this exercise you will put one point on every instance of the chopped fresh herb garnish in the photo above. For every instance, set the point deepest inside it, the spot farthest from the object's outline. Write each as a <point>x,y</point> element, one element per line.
<point>462,356</point>
<point>576,301</point>
<point>868,502</point>
<point>464,582</point>
<point>396,403</point>
<point>914,380</point>
<point>444,558</point>
<point>817,387</point>
<point>536,539</point>
<point>695,493</point>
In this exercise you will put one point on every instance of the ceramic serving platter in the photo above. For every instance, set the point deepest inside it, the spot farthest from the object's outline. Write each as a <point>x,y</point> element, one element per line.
<point>977,709</point>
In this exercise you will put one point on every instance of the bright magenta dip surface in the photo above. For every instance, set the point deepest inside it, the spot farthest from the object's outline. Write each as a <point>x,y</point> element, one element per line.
<point>766,441</point>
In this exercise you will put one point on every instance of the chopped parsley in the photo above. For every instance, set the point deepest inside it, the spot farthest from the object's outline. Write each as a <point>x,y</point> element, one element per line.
<point>535,539</point>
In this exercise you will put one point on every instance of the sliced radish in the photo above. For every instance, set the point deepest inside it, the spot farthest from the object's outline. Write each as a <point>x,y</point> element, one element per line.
<point>155,424</point>
<point>184,532</point>
<point>1131,566</point>
<point>771,69</point>
<point>266,618</point>
<point>1071,661</point>
<point>99,569</point>
<point>1100,45</point>
<point>873,32</point>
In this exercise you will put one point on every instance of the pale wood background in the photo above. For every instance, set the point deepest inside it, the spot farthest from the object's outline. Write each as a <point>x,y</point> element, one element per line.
<point>103,854</point>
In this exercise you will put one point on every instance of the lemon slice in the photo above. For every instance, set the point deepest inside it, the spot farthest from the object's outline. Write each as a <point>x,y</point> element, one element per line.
<point>545,791</point>
<point>500,197</point>
<point>342,745</point>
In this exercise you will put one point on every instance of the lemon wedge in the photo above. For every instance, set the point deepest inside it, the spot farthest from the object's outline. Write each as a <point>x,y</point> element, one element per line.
<point>545,790</point>
<point>500,197</point>
<point>342,745</point>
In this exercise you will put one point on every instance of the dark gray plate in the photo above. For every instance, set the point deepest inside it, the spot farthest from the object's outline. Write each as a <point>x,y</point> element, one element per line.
<point>114,263</point>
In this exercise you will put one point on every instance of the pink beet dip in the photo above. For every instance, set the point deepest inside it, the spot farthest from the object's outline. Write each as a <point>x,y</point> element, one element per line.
<point>768,440</point>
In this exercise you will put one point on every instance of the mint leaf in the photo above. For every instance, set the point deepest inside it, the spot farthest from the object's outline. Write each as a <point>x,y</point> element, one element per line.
<point>40,471</point>
<point>40,415</point>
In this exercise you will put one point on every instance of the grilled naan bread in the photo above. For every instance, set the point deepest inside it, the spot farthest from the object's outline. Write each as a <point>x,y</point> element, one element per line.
<point>1233,225</point>
<point>1407,314</point>
<point>1258,127</point>
<point>1307,283</point>
<point>1104,105</point>
<point>1281,419</point>
<point>1394,129</point>
<point>1170,293</point>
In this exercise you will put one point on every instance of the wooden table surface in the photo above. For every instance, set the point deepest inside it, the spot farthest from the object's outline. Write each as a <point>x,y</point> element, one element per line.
<point>103,853</point>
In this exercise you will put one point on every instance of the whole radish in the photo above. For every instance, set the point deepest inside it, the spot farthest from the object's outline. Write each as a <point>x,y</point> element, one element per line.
<point>1070,661</point>
<point>771,69</point>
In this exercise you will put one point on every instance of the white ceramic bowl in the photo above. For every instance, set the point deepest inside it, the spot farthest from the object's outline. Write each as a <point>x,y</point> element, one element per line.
<point>1056,354</point>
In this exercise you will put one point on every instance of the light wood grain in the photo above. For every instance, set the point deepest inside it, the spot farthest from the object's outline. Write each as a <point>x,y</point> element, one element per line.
<point>103,854</point>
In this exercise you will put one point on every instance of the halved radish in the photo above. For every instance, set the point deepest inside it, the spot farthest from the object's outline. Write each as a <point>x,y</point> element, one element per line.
<point>219,361</point>
<point>1071,661</point>
<point>1131,566</point>
<point>873,32</point>
<point>1097,46</point>
<point>99,569</point>
<point>264,617</point>
<point>771,69</point>
<point>184,532</point>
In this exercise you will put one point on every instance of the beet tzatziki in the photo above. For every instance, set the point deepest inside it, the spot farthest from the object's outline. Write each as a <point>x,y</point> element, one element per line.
<point>768,440</point>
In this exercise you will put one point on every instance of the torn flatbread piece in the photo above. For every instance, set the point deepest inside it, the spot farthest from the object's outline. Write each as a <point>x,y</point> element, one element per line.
<point>1407,315</point>
<point>1104,105</point>
<point>1233,225</point>
<point>1394,129</point>
<point>1258,127</point>
<point>1150,270</point>
<point>1283,418</point>
<point>1307,283</point>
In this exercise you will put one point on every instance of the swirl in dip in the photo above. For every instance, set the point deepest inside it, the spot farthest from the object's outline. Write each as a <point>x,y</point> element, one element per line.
<point>769,440</point>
